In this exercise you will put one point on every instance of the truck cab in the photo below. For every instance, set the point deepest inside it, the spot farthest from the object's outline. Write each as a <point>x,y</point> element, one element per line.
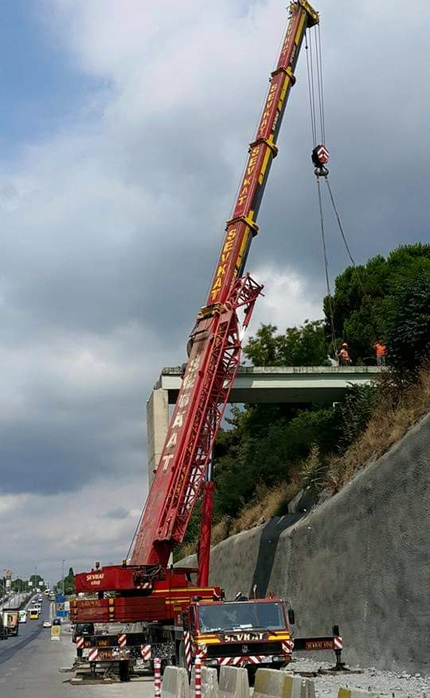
<point>11,621</point>
<point>248,634</point>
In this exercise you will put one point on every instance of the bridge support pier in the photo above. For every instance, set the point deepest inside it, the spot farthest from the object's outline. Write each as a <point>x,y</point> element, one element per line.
<point>157,420</point>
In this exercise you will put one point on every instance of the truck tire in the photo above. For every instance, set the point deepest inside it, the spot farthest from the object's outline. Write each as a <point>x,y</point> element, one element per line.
<point>124,670</point>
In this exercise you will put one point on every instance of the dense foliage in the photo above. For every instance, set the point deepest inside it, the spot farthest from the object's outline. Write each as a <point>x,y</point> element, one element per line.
<point>407,323</point>
<point>69,583</point>
<point>298,346</point>
<point>373,301</point>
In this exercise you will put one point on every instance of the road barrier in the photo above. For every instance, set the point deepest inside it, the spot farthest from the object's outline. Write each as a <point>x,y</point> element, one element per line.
<point>357,693</point>
<point>209,685</point>
<point>272,683</point>
<point>175,683</point>
<point>233,683</point>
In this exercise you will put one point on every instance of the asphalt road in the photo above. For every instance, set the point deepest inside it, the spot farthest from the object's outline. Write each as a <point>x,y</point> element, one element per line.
<point>30,663</point>
<point>27,632</point>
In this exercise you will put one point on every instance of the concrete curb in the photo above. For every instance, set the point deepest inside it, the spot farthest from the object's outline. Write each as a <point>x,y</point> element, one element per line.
<point>175,683</point>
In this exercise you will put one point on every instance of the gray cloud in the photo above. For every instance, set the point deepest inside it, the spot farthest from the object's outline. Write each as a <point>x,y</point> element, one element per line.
<point>119,513</point>
<point>110,228</point>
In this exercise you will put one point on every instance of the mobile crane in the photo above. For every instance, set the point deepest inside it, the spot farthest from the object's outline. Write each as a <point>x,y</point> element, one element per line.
<point>176,618</point>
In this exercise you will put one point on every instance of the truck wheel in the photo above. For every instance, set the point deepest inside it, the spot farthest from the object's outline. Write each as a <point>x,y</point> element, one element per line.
<point>124,670</point>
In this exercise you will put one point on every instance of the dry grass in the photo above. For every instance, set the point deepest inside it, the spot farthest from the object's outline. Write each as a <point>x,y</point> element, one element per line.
<point>391,421</point>
<point>265,505</point>
<point>221,530</point>
<point>186,549</point>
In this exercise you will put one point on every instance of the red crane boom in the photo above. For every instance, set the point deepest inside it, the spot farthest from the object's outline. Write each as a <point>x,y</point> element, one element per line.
<point>215,342</point>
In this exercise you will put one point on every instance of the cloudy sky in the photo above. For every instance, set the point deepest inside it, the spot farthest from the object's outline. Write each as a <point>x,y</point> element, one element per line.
<point>123,134</point>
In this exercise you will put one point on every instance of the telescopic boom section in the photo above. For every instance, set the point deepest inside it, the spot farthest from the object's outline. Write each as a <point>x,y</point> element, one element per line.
<point>215,341</point>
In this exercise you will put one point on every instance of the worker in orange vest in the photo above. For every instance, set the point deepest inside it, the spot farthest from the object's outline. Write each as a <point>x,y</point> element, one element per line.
<point>343,355</point>
<point>381,353</point>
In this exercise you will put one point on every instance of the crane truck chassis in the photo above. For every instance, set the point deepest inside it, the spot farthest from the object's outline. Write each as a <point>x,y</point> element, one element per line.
<point>144,607</point>
<point>245,633</point>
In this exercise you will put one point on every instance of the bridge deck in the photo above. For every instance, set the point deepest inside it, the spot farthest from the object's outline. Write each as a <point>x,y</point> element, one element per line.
<point>294,384</point>
<point>298,385</point>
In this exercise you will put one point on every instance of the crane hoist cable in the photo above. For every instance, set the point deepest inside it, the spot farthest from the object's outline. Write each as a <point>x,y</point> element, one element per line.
<point>320,157</point>
<point>327,278</point>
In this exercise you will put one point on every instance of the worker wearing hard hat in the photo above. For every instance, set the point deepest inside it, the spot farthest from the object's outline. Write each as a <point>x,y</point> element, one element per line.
<point>343,355</point>
<point>381,353</point>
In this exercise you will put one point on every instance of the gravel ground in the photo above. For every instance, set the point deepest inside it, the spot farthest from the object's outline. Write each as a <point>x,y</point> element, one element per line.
<point>385,683</point>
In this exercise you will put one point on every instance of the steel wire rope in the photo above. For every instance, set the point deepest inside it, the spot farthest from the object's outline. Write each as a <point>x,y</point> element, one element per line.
<point>130,547</point>
<point>320,89</point>
<point>316,93</point>
<point>326,268</point>
<point>311,91</point>
<point>339,222</point>
<point>345,241</point>
<point>320,84</point>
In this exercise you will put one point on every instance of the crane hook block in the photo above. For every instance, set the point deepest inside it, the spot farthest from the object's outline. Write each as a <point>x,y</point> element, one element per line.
<point>320,158</point>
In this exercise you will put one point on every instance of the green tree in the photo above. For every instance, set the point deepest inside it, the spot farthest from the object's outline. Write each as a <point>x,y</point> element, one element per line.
<point>36,579</point>
<point>264,349</point>
<point>407,324</point>
<point>69,583</point>
<point>363,296</point>
<point>298,346</point>
<point>19,585</point>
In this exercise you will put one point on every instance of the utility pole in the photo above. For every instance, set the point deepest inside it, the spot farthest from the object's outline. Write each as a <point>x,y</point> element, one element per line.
<point>62,573</point>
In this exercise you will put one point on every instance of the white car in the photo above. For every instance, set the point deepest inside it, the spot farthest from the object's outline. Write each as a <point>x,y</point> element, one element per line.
<point>47,623</point>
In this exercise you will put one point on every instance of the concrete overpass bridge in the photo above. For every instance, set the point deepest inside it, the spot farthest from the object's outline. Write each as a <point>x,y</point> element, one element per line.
<point>269,384</point>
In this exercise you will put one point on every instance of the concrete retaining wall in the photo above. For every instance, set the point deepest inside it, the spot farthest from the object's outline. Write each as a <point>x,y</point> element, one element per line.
<point>361,559</point>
